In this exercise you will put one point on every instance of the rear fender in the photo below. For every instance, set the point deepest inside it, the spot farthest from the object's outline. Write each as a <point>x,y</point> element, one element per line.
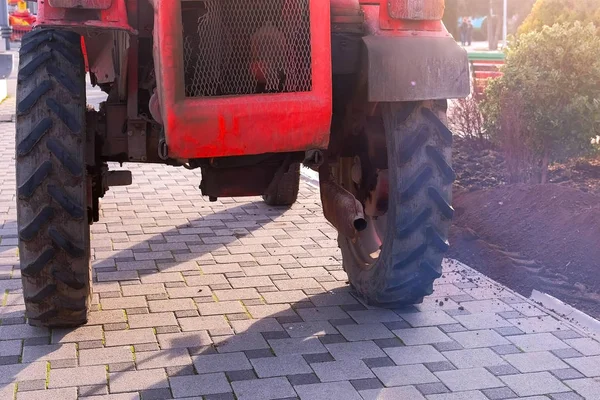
<point>415,68</point>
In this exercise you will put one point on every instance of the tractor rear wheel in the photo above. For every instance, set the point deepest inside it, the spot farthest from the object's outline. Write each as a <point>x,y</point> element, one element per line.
<point>54,233</point>
<point>397,258</point>
<point>285,193</point>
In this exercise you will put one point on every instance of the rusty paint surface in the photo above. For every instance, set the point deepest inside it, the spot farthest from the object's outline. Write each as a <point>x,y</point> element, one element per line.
<point>89,4</point>
<point>204,127</point>
<point>419,10</point>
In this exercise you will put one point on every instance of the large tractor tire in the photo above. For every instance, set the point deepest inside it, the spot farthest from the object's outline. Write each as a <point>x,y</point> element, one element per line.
<point>54,233</point>
<point>411,238</point>
<point>285,193</point>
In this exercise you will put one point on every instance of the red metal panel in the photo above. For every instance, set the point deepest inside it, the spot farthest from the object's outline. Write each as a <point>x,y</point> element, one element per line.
<point>379,22</point>
<point>431,10</point>
<point>90,4</point>
<point>114,17</point>
<point>204,127</point>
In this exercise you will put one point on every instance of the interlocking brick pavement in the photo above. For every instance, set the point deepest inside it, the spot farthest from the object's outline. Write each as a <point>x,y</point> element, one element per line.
<point>238,300</point>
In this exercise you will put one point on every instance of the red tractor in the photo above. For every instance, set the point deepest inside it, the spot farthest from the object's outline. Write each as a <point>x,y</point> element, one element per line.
<point>245,90</point>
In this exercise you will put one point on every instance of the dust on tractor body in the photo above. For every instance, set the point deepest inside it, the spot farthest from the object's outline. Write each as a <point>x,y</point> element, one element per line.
<point>246,91</point>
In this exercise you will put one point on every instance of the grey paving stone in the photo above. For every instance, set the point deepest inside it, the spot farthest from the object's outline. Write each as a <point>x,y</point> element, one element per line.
<point>256,325</point>
<point>508,331</point>
<point>8,332</point>
<point>156,394</point>
<point>199,385</point>
<point>22,372</point>
<point>537,383</point>
<point>588,366</point>
<point>311,328</point>
<point>366,384</point>
<point>129,337</point>
<point>162,358</point>
<point>280,366</point>
<point>379,362</point>
<point>183,339</point>
<point>474,358</point>
<point>396,325</point>
<point>275,335</point>
<point>263,389</point>
<point>152,320</point>
<point>451,328</point>
<point>297,346</point>
<point>221,362</point>
<point>506,349</point>
<point>505,369</point>
<point>332,339</point>
<point>322,313</point>
<point>242,375</point>
<point>62,394</point>
<point>318,358</point>
<point>49,352</point>
<point>328,391</point>
<point>365,332</point>
<point>427,318</point>
<point>128,381</point>
<point>586,387</point>
<point>341,370</point>
<point>566,334</point>
<point>65,377</point>
<point>566,353</point>
<point>417,336</point>
<point>27,386</point>
<point>566,396</point>
<point>260,353</point>
<point>432,388</point>
<point>535,362</point>
<point>448,346</point>
<point>373,316</point>
<point>397,393</point>
<point>81,334</point>
<point>387,343</point>
<point>499,393</point>
<point>354,350</point>
<point>586,346</point>
<point>482,321</point>
<point>568,373</point>
<point>479,338</point>
<point>439,366</point>
<point>103,356</point>
<point>414,354</point>
<point>10,348</point>
<point>537,342</point>
<point>404,375</point>
<point>468,379</point>
<point>303,379</point>
<point>241,342</point>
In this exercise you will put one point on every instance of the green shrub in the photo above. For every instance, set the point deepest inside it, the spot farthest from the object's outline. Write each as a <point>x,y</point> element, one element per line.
<point>550,12</point>
<point>546,106</point>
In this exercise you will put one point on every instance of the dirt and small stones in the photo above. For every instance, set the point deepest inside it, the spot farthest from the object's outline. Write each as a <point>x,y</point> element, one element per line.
<point>477,165</point>
<point>543,237</point>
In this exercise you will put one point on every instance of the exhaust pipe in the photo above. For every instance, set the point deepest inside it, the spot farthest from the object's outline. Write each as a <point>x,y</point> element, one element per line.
<point>340,207</point>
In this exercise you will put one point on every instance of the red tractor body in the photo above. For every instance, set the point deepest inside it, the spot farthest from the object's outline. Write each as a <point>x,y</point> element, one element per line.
<point>244,90</point>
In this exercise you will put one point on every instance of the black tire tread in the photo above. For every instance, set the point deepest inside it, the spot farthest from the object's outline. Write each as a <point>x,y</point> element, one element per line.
<point>286,192</point>
<point>419,145</point>
<point>50,158</point>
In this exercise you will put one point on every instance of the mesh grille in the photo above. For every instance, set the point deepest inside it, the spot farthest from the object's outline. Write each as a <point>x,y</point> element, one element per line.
<point>235,47</point>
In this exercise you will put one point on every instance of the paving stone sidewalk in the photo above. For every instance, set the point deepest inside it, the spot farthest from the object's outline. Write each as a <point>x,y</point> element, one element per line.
<point>237,300</point>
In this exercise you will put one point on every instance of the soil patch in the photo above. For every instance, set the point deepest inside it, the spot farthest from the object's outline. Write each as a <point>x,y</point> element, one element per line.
<point>544,237</point>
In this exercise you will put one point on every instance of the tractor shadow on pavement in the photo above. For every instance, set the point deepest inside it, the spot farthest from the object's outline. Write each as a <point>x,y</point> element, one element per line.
<point>259,322</point>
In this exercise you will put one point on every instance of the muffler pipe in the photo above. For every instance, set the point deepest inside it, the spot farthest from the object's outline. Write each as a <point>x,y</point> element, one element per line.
<point>340,207</point>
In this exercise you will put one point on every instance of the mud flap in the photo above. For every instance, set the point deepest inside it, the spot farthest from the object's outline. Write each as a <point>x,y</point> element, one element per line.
<point>6,65</point>
<point>415,68</point>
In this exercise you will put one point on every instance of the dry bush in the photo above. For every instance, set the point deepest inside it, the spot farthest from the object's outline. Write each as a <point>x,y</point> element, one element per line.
<point>465,119</point>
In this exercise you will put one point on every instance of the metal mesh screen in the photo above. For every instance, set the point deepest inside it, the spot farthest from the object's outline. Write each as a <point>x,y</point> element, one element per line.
<point>235,47</point>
